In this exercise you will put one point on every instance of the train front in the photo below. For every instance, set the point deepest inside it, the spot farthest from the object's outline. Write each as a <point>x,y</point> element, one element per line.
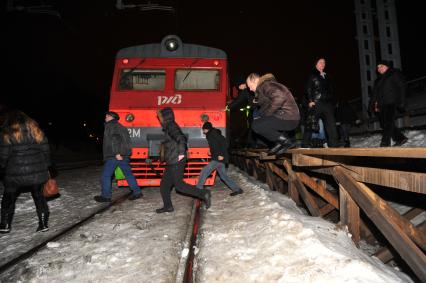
<point>191,79</point>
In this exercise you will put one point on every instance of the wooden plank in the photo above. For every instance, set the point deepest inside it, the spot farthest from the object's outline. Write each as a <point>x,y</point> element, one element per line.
<point>320,190</point>
<point>306,196</point>
<point>377,210</point>
<point>406,152</point>
<point>326,209</point>
<point>254,168</point>
<point>349,214</point>
<point>403,180</point>
<point>274,168</point>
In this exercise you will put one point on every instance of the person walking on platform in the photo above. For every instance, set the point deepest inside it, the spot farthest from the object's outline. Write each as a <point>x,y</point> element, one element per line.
<point>278,111</point>
<point>319,96</point>
<point>219,155</point>
<point>175,155</point>
<point>389,97</point>
<point>116,152</point>
<point>25,158</point>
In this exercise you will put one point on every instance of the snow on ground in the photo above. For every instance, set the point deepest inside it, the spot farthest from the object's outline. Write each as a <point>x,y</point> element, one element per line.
<point>77,188</point>
<point>261,236</point>
<point>127,243</point>
<point>416,138</point>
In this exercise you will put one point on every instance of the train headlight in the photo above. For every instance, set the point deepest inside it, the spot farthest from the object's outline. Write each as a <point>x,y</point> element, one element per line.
<point>172,44</point>
<point>204,117</point>
<point>130,117</point>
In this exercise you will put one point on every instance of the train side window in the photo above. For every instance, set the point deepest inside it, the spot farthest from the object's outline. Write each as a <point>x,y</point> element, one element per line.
<point>142,79</point>
<point>192,79</point>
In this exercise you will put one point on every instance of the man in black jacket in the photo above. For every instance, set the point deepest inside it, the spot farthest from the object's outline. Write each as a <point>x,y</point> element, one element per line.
<point>219,154</point>
<point>175,153</point>
<point>388,97</point>
<point>116,151</point>
<point>319,96</point>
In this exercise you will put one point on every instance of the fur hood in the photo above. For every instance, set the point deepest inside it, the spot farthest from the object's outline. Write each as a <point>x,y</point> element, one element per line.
<point>266,77</point>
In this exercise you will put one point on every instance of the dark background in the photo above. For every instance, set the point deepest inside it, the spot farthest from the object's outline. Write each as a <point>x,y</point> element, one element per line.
<point>58,67</point>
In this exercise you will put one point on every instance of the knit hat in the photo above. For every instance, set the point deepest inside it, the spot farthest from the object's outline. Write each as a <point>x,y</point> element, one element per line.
<point>113,115</point>
<point>207,126</point>
<point>384,62</point>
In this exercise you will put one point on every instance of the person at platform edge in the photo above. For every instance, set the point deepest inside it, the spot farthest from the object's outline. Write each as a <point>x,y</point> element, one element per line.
<point>175,155</point>
<point>278,111</point>
<point>219,155</point>
<point>116,152</point>
<point>388,98</point>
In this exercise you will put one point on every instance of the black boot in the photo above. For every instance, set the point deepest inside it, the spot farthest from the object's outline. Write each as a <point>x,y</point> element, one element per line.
<point>164,209</point>
<point>207,199</point>
<point>282,142</point>
<point>5,223</point>
<point>43,219</point>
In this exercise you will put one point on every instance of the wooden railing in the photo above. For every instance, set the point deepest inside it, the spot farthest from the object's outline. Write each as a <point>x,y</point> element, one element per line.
<point>360,177</point>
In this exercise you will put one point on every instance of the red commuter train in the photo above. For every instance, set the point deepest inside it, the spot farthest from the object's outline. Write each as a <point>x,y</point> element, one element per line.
<point>192,79</point>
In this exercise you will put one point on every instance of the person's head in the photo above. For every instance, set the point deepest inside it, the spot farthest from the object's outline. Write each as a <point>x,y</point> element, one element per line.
<point>165,115</point>
<point>207,126</point>
<point>320,64</point>
<point>383,66</point>
<point>253,81</point>
<point>17,126</point>
<point>111,115</point>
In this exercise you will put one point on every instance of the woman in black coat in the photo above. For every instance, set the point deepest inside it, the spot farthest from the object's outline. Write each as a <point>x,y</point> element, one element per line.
<point>24,156</point>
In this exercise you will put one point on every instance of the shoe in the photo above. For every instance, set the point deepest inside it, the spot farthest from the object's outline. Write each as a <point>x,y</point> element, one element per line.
<point>207,199</point>
<point>165,209</point>
<point>282,141</point>
<point>238,192</point>
<point>4,228</point>
<point>285,148</point>
<point>43,219</point>
<point>101,199</point>
<point>385,144</point>
<point>42,227</point>
<point>133,197</point>
<point>401,142</point>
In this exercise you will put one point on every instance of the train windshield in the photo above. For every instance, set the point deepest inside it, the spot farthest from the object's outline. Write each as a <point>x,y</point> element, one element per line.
<point>191,79</point>
<point>142,79</point>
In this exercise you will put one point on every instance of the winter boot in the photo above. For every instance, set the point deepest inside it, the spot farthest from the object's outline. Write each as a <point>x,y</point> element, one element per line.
<point>164,209</point>
<point>5,224</point>
<point>43,219</point>
<point>282,142</point>
<point>207,199</point>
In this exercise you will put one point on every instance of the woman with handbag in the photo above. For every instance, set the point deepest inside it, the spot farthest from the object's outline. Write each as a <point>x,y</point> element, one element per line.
<point>25,157</point>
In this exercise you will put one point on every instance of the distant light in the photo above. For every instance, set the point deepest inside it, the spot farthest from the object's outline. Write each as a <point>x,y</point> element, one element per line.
<point>248,106</point>
<point>242,109</point>
<point>215,62</point>
<point>84,125</point>
<point>125,61</point>
<point>91,136</point>
<point>50,123</point>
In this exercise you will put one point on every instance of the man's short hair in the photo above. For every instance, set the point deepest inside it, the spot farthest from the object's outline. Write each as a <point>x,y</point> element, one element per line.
<point>253,76</point>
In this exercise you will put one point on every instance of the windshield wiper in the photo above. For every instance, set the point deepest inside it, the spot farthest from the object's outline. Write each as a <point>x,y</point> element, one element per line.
<point>190,66</point>
<point>130,71</point>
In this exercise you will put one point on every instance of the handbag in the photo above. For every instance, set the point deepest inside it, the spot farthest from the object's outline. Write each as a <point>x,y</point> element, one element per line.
<point>50,188</point>
<point>312,122</point>
<point>118,174</point>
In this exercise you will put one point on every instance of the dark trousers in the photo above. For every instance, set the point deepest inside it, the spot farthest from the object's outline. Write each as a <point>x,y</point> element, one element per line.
<point>271,127</point>
<point>9,199</point>
<point>173,176</point>
<point>387,116</point>
<point>325,111</point>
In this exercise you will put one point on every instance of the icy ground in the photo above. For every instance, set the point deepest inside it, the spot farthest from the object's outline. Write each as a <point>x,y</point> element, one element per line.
<point>259,236</point>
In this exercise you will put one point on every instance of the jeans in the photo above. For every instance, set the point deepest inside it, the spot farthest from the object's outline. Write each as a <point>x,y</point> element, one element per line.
<point>173,176</point>
<point>220,167</point>
<point>321,134</point>
<point>107,172</point>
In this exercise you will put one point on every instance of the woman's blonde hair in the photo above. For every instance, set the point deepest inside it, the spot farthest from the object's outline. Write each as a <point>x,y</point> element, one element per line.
<point>17,126</point>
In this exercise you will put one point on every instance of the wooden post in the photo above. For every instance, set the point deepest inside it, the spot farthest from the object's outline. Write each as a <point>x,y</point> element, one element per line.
<point>349,214</point>
<point>379,212</point>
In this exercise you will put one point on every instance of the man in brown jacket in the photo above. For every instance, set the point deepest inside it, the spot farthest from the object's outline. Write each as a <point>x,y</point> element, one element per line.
<point>278,111</point>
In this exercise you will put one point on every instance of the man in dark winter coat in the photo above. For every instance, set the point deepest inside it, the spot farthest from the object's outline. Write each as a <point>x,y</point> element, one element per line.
<point>175,153</point>
<point>319,96</point>
<point>219,154</point>
<point>389,97</point>
<point>278,111</point>
<point>116,151</point>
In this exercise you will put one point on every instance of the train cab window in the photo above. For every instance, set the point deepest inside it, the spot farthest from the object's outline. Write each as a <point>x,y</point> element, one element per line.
<point>142,79</point>
<point>191,79</point>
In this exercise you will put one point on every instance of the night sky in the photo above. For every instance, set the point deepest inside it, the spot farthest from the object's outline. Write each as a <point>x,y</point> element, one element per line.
<point>59,66</point>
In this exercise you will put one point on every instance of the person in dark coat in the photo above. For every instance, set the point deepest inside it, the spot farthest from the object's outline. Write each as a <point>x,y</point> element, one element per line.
<point>345,118</point>
<point>278,111</point>
<point>25,158</point>
<point>319,97</point>
<point>116,153</point>
<point>175,155</point>
<point>388,98</point>
<point>219,155</point>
